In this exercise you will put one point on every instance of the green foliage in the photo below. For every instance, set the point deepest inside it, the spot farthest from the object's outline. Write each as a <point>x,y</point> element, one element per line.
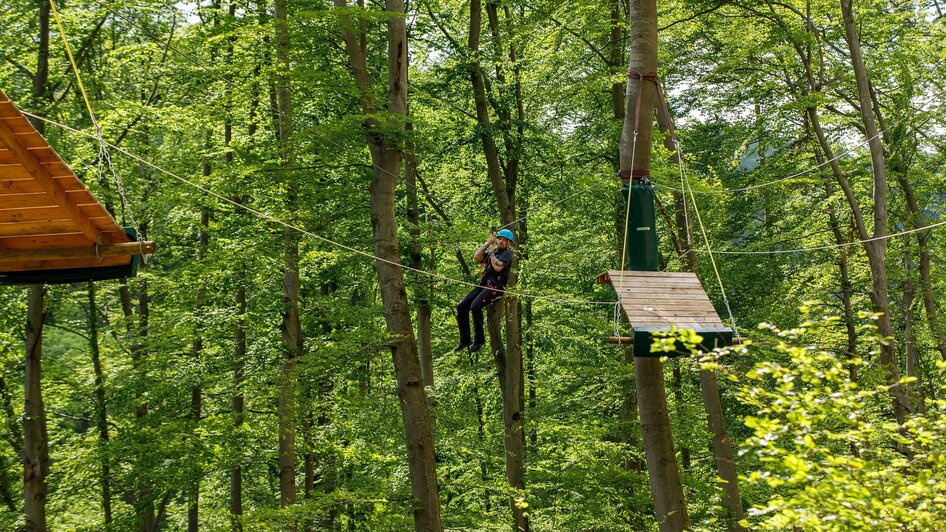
<point>821,456</point>
<point>805,402</point>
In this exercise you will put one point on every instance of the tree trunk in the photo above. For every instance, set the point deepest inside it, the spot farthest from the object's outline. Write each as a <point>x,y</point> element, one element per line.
<point>40,89</point>
<point>722,451</point>
<point>101,407</point>
<point>237,403</point>
<point>635,145</point>
<point>662,466</point>
<point>877,249</point>
<point>144,505</point>
<point>193,516</point>
<point>386,161</point>
<point>35,437</point>
<point>900,168</point>
<point>503,178</point>
<point>239,333</point>
<point>530,370</point>
<point>913,390</point>
<point>423,298</point>
<point>619,18</point>
<point>291,327</point>
<point>926,281</point>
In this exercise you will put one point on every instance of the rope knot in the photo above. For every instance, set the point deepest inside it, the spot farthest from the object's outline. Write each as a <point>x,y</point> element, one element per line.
<point>650,76</point>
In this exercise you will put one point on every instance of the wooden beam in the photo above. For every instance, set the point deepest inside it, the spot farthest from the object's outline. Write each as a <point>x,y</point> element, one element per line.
<point>46,180</point>
<point>85,252</point>
<point>621,340</point>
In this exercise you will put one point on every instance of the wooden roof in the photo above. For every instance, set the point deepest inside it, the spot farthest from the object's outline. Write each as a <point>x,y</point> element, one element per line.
<point>48,218</point>
<point>657,300</point>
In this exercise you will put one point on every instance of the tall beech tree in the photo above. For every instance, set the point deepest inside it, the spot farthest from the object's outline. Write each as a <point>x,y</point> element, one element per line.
<point>291,326</point>
<point>503,175</point>
<point>876,249</point>
<point>385,143</point>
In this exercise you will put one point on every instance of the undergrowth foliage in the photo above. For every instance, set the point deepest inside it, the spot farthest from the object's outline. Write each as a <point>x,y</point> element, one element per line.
<point>823,451</point>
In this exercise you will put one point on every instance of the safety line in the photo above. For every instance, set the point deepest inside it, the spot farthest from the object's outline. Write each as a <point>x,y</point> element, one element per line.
<point>627,223</point>
<point>709,249</point>
<point>828,246</point>
<point>103,150</point>
<point>306,232</point>
<point>696,209</point>
<point>325,138</point>
<point>72,61</point>
<point>807,170</point>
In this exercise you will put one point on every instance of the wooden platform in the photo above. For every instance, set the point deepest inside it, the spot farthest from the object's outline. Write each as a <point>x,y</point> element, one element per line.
<point>656,301</point>
<point>661,299</point>
<point>48,219</point>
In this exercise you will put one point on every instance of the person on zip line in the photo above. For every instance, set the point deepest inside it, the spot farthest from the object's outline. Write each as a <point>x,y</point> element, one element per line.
<point>496,257</point>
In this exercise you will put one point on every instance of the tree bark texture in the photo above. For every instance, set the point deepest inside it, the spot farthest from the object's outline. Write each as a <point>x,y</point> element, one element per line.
<point>237,403</point>
<point>662,466</point>
<point>386,158</point>
<point>40,89</point>
<point>197,348</point>
<point>147,521</point>
<point>877,249</point>
<point>291,326</point>
<point>35,436</point>
<point>722,451</point>
<point>423,296</point>
<point>913,390</point>
<point>642,59</point>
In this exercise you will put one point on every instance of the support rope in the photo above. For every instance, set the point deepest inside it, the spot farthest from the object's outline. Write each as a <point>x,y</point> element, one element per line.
<point>287,225</point>
<point>664,109</point>
<point>103,149</point>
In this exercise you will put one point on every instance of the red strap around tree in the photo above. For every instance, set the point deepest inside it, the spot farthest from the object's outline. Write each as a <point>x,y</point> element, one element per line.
<point>661,103</point>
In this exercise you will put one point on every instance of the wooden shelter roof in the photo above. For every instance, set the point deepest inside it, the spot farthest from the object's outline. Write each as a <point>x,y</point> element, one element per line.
<point>657,300</point>
<point>48,219</point>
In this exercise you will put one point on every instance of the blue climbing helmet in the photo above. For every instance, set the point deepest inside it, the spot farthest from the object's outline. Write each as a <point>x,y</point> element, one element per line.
<point>505,233</point>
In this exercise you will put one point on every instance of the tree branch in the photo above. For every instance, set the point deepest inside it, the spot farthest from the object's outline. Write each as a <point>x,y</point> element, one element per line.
<point>693,16</point>
<point>23,70</point>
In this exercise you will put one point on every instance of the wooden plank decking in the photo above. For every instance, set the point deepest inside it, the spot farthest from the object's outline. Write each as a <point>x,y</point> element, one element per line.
<point>657,300</point>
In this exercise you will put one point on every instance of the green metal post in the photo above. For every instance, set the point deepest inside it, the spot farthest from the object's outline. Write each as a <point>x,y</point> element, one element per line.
<point>641,242</point>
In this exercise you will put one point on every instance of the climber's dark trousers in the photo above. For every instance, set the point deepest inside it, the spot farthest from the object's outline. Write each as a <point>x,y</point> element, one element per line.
<point>478,298</point>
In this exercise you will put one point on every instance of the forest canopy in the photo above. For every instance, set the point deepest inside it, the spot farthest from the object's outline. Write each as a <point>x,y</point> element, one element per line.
<point>317,177</point>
